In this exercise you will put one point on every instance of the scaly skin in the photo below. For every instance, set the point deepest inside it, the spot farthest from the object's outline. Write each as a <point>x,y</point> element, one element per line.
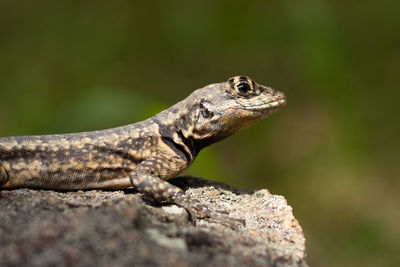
<point>144,154</point>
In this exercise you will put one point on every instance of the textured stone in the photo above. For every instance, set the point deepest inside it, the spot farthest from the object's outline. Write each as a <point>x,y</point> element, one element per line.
<point>120,228</point>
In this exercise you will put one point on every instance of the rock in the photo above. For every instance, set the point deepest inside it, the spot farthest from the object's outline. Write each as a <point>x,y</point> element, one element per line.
<point>121,228</point>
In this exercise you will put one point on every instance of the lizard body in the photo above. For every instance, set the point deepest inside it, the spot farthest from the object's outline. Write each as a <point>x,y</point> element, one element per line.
<point>144,154</point>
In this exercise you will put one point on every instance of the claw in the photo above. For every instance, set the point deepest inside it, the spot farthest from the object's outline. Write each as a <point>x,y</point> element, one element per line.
<point>230,220</point>
<point>220,210</point>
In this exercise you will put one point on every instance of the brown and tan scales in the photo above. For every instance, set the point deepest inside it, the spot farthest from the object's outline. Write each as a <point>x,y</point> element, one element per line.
<point>142,155</point>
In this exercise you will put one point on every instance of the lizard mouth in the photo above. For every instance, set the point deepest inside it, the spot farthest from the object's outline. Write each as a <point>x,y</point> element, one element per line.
<point>269,106</point>
<point>274,104</point>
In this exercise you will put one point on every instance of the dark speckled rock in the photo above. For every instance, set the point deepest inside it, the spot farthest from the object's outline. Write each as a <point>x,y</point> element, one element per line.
<point>119,228</point>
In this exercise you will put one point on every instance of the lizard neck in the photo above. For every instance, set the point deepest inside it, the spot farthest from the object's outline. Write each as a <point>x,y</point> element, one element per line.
<point>174,125</point>
<point>178,128</point>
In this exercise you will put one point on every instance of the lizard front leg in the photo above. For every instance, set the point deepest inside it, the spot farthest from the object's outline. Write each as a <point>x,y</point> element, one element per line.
<point>148,179</point>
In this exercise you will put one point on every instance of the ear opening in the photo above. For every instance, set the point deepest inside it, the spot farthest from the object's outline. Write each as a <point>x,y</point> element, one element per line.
<point>204,111</point>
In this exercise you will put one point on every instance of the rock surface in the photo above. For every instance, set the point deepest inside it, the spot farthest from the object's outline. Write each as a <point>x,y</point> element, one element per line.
<point>120,228</point>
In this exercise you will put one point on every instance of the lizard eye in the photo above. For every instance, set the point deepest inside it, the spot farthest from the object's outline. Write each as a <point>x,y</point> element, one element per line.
<point>243,88</point>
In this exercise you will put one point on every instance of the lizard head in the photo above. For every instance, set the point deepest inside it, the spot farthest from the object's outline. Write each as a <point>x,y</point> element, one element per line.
<point>229,106</point>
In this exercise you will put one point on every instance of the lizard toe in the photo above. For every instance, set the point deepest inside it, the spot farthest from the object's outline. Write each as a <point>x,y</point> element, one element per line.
<point>3,176</point>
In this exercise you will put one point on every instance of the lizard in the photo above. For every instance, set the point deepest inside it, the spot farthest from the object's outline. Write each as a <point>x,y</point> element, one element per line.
<point>142,155</point>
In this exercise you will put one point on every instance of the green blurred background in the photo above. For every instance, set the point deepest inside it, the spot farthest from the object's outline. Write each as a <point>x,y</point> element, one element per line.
<point>333,151</point>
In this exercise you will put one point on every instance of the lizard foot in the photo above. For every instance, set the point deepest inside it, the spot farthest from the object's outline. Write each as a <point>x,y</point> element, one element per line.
<point>198,210</point>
